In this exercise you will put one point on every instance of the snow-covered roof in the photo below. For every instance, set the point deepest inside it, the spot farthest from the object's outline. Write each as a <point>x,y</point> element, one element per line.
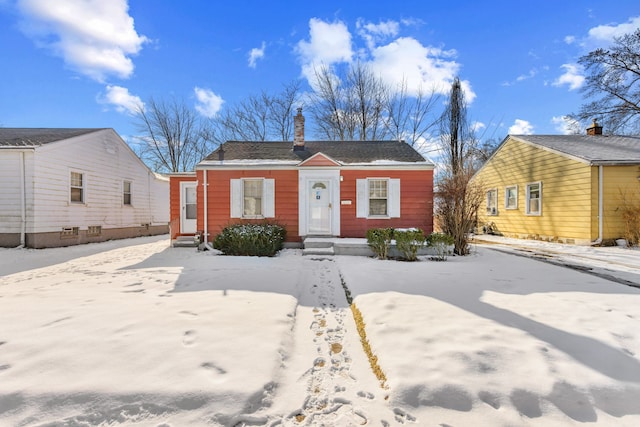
<point>396,153</point>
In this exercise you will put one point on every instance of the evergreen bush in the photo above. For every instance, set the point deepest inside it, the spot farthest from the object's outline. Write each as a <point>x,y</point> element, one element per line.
<point>264,239</point>
<point>408,242</point>
<point>441,244</point>
<point>379,240</point>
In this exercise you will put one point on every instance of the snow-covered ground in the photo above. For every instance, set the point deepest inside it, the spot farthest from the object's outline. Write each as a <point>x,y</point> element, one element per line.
<point>136,333</point>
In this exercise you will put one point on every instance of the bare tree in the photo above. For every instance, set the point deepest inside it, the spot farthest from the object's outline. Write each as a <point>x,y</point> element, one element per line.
<point>457,197</point>
<point>358,105</point>
<point>349,107</point>
<point>263,117</point>
<point>172,136</point>
<point>328,107</point>
<point>613,82</point>
<point>282,111</point>
<point>408,117</point>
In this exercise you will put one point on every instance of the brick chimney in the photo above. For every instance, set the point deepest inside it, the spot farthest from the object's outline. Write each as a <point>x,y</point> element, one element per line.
<point>298,131</point>
<point>594,129</point>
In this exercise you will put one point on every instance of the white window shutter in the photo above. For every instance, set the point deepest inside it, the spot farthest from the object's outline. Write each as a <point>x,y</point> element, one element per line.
<point>269,198</point>
<point>394,198</point>
<point>236,198</point>
<point>362,198</point>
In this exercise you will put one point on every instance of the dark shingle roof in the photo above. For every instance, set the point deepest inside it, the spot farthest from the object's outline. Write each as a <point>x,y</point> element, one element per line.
<point>341,151</point>
<point>36,137</point>
<point>595,149</point>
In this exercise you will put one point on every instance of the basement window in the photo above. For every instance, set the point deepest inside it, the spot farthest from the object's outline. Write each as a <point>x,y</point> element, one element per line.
<point>69,232</point>
<point>94,230</point>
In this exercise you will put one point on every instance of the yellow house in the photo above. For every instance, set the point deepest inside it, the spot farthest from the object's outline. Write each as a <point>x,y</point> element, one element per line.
<point>563,188</point>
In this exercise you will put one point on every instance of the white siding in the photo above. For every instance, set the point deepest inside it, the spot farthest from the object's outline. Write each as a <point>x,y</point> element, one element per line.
<point>11,188</point>
<point>106,161</point>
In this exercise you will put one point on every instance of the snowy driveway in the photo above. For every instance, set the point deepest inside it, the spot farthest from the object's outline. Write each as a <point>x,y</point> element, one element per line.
<point>140,334</point>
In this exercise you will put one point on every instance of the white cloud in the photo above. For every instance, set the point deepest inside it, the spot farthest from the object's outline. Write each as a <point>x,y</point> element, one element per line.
<point>402,59</point>
<point>420,66</point>
<point>521,127</point>
<point>373,33</point>
<point>329,43</point>
<point>94,37</point>
<point>477,126</point>
<point>121,99</point>
<point>570,39</point>
<point>255,54</point>
<point>572,77</point>
<point>531,74</point>
<point>604,34</point>
<point>566,125</point>
<point>208,103</point>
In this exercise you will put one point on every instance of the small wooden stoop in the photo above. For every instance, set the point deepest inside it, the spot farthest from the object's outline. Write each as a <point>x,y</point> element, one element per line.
<point>318,246</point>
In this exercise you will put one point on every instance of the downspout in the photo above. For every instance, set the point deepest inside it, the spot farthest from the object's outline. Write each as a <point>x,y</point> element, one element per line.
<point>600,205</point>
<point>23,201</point>
<point>205,190</point>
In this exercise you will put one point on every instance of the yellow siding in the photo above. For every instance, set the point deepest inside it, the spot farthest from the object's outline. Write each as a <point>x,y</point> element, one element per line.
<point>566,193</point>
<point>620,183</point>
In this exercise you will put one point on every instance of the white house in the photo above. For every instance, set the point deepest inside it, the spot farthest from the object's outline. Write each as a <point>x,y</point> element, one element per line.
<point>61,187</point>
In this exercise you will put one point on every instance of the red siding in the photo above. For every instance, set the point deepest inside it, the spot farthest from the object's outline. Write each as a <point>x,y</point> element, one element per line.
<point>416,202</point>
<point>219,199</point>
<point>174,202</point>
<point>319,160</point>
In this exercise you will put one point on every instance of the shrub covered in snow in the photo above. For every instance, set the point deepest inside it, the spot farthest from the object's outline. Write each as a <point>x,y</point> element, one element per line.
<point>264,239</point>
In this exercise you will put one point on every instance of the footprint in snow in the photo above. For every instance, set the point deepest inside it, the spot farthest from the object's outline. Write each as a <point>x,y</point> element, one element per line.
<point>366,395</point>
<point>189,338</point>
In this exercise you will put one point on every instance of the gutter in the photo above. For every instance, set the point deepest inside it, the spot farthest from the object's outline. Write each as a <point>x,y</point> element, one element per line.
<point>23,201</point>
<point>205,186</point>
<point>600,205</point>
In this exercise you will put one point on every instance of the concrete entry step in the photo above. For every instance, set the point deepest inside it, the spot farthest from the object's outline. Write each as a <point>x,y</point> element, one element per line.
<point>184,242</point>
<point>318,242</point>
<point>318,246</point>
<point>318,251</point>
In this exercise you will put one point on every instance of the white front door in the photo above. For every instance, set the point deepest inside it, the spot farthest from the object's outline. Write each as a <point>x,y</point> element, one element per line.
<point>188,208</point>
<point>319,198</point>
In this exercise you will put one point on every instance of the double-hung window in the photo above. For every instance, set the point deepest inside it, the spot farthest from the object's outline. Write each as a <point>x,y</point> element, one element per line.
<point>378,198</point>
<point>534,198</point>
<point>252,198</point>
<point>492,202</point>
<point>76,188</point>
<point>511,197</point>
<point>126,193</point>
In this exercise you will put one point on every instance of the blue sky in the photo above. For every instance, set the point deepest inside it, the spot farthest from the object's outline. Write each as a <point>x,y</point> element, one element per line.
<point>87,63</point>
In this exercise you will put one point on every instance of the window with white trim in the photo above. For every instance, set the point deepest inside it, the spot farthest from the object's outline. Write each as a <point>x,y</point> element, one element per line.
<point>511,197</point>
<point>534,198</point>
<point>378,198</point>
<point>126,193</point>
<point>492,202</point>
<point>76,187</point>
<point>252,198</point>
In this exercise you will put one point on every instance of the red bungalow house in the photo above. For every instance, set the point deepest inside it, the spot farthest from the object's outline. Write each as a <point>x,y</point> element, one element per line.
<point>313,188</point>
